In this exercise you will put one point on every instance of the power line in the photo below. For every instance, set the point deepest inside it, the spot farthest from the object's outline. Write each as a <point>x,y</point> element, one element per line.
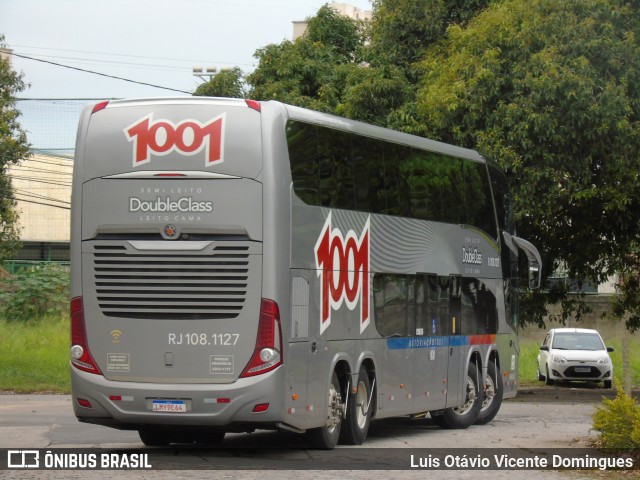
<point>190,61</point>
<point>98,73</point>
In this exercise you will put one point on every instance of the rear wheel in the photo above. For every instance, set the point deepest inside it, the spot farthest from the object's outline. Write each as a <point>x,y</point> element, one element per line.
<point>356,425</point>
<point>493,390</point>
<point>326,437</point>
<point>463,416</point>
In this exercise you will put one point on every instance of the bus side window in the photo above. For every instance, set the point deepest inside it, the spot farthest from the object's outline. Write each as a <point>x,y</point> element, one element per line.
<point>391,300</point>
<point>303,156</point>
<point>335,171</point>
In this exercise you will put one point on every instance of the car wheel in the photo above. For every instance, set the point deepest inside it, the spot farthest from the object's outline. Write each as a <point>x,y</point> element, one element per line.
<point>607,384</point>
<point>548,380</point>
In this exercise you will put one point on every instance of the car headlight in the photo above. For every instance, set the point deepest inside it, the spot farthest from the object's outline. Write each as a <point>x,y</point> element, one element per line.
<point>604,360</point>
<point>558,359</point>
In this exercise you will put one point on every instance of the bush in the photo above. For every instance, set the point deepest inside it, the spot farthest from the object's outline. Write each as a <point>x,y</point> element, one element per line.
<point>618,422</point>
<point>34,292</point>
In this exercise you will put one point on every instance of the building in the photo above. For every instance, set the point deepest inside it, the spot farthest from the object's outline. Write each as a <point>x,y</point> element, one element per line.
<point>42,188</point>
<point>300,26</point>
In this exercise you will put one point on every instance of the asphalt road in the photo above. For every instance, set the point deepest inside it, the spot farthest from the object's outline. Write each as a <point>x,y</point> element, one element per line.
<point>549,418</point>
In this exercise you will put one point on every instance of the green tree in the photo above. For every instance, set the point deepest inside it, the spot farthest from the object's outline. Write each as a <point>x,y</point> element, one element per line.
<point>226,83</point>
<point>313,70</point>
<point>13,148</point>
<point>403,30</point>
<point>550,90</point>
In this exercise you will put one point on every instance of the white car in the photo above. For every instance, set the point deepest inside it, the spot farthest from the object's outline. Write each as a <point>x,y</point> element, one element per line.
<point>574,354</point>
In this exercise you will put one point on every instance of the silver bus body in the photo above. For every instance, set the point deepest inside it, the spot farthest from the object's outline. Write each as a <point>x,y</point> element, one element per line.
<point>211,288</point>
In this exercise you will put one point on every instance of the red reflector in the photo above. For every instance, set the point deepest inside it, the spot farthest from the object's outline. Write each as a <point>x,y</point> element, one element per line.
<point>84,403</point>
<point>100,106</point>
<point>223,400</point>
<point>254,105</point>
<point>261,407</point>
<point>116,398</point>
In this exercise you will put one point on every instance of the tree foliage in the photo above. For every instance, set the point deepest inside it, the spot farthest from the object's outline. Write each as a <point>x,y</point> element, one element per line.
<point>13,148</point>
<point>313,70</point>
<point>226,83</point>
<point>548,89</point>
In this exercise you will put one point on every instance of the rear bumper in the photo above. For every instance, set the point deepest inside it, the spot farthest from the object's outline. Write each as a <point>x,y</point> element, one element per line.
<point>127,405</point>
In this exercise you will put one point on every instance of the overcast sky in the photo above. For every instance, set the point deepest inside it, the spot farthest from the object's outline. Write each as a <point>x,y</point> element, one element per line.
<point>151,41</point>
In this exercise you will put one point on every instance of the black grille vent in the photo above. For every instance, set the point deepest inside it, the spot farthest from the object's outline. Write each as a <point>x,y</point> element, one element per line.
<point>208,284</point>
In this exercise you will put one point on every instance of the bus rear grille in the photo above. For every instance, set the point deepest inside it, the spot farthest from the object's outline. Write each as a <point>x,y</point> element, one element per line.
<point>209,284</point>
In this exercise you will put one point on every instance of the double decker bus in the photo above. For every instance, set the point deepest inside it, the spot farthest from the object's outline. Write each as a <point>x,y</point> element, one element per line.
<point>241,265</point>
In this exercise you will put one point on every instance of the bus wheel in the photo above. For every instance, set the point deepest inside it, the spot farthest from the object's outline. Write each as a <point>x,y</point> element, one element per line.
<point>493,389</point>
<point>438,418</point>
<point>355,428</point>
<point>326,437</point>
<point>465,415</point>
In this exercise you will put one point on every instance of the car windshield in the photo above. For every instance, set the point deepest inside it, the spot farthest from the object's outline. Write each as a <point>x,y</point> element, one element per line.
<point>577,341</point>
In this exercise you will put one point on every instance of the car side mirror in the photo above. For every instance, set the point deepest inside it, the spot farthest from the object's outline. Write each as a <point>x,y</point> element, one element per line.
<point>544,348</point>
<point>609,349</point>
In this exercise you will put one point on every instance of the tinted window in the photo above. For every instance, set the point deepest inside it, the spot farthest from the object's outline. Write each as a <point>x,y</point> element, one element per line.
<point>337,169</point>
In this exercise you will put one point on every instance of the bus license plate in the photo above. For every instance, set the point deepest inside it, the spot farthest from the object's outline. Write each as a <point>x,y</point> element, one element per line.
<point>171,406</point>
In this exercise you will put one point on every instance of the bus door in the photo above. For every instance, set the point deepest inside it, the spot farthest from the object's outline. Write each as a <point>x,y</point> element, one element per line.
<point>431,332</point>
<point>452,286</point>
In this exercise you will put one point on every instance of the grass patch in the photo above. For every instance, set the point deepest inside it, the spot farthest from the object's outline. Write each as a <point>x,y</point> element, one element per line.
<point>529,353</point>
<point>35,355</point>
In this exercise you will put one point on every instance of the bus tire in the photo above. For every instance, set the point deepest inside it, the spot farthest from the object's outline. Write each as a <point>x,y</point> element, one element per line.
<point>356,426</point>
<point>463,416</point>
<point>326,437</point>
<point>493,390</point>
<point>438,418</point>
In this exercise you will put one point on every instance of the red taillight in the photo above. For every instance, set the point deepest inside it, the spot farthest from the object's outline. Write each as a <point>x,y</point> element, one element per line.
<point>99,106</point>
<point>80,356</point>
<point>254,105</point>
<point>268,352</point>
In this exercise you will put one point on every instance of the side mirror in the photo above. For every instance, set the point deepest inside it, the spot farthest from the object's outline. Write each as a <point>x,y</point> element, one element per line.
<point>535,261</point>
<point>609,349</point>
<point>544,348</point>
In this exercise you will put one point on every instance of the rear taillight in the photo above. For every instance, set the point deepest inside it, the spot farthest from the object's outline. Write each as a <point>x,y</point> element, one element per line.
<point>80,356</point>
<point>268,352</point>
